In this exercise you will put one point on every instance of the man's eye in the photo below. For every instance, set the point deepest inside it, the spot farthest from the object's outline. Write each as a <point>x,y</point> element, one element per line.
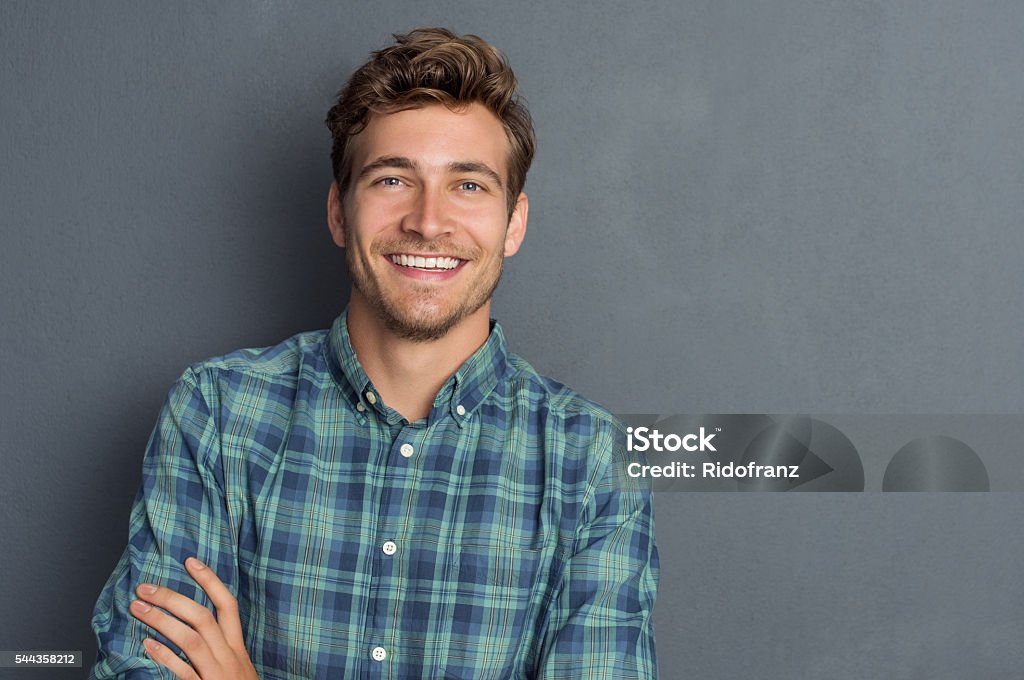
<point>470,186</point>
<point>391,181</point>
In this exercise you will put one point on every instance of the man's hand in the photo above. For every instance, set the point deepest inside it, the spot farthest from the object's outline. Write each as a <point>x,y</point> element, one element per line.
<point>214,646</point>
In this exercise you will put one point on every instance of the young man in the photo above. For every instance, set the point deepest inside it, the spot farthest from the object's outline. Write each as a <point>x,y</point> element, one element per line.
<point>397,496</point>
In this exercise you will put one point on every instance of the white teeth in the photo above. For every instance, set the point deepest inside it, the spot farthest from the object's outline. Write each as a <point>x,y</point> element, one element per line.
<point>425,262</point>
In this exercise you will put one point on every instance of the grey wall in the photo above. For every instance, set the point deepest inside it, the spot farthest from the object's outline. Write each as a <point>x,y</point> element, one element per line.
<point>795,206</point>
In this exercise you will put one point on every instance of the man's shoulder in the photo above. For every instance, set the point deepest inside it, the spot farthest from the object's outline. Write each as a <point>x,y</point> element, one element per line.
<point>554,396</point>
<point>274,362</point>
<point>583,436</point>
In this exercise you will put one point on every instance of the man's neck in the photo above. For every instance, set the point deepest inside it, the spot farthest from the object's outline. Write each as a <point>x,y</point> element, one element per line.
<point>409,374</point>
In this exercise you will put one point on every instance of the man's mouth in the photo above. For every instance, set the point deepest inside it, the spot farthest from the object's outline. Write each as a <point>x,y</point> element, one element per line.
<point>426,263</point>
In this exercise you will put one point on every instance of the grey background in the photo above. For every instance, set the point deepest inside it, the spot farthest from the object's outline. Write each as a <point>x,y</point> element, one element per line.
<point>793,206</point>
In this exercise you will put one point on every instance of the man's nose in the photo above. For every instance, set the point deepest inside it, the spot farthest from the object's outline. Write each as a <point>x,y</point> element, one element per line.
<point>428,216</point>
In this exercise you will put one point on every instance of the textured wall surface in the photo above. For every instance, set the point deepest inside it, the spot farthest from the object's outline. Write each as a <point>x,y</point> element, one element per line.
<point>778,207</point>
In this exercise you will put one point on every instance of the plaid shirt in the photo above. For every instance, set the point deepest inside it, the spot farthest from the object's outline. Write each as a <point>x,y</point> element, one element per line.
<point>493,539</point>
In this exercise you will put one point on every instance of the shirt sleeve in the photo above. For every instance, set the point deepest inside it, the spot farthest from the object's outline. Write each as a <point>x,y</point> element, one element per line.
<point>600,626</point>
<point>179,511</point>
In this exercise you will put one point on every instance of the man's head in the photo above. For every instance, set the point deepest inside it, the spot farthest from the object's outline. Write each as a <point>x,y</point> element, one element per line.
<point>431,66</point>
<point>430,154</point>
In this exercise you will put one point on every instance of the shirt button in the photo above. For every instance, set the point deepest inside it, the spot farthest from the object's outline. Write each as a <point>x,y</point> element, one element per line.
<point>460,409</point>
<point>389,548</point>
<point>360,407</point>
<point>371,397</point>
<point>379,654</point>
<point>406,450</point>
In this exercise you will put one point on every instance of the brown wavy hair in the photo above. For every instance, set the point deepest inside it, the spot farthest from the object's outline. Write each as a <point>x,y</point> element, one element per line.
<point>426,66</point>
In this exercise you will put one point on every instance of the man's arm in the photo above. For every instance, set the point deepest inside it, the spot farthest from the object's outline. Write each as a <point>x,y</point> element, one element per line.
<point>600,626</point>
<point>180,511</point>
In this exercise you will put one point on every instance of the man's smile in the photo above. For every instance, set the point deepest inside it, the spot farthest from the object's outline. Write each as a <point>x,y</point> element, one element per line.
<point>426,268</point>
<point>426,262</point>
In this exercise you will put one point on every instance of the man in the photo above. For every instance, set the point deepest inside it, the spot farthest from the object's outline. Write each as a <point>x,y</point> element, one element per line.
<point>398,496</point>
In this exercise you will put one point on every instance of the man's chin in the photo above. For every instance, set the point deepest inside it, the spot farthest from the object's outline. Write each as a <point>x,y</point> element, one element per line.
<point>419,332</point>
<point>424,326</point>
<point>421,315</point>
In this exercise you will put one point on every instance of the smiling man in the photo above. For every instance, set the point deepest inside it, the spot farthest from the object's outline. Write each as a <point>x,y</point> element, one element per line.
<point>398,496</point>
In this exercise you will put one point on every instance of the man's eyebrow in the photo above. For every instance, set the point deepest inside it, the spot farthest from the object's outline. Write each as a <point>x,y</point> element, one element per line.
<point>405,163</point>
<point>396,162</point>
<point>476,166</point>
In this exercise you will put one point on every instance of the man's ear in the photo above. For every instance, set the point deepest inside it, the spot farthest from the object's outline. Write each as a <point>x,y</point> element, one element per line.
<point>516,225</point>
<point>335,215</point>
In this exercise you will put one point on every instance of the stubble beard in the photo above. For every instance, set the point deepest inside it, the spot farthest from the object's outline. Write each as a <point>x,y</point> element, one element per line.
<point>418,318</point>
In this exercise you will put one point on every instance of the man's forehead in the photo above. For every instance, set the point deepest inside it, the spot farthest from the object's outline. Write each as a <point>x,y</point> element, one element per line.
<point>434,137</point>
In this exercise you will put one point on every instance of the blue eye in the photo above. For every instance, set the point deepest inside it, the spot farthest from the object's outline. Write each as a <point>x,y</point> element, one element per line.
<point>391,181</point>
<point>470,186</point>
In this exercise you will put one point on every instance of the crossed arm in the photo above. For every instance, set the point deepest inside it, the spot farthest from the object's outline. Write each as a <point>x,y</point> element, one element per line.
<point>216,649</point>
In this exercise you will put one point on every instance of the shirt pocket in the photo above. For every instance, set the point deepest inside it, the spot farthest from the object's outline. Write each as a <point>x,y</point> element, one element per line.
<point>511,569</point>
<point>493,612</point>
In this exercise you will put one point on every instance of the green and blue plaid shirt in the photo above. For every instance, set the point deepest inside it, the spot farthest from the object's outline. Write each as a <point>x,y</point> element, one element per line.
<point>492,539</point>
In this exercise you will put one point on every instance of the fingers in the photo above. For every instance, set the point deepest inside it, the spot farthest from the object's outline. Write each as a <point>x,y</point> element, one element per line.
<point>226,604</point>
<point>189,639</point>
<point>165,657</point>
<point>214,646</point>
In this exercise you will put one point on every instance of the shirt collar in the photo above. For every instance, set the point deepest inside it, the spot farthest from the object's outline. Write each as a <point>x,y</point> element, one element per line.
<point>460,396</point>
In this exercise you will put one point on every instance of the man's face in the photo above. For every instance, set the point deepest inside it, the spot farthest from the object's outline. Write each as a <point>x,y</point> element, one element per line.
<point>424,221</point>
